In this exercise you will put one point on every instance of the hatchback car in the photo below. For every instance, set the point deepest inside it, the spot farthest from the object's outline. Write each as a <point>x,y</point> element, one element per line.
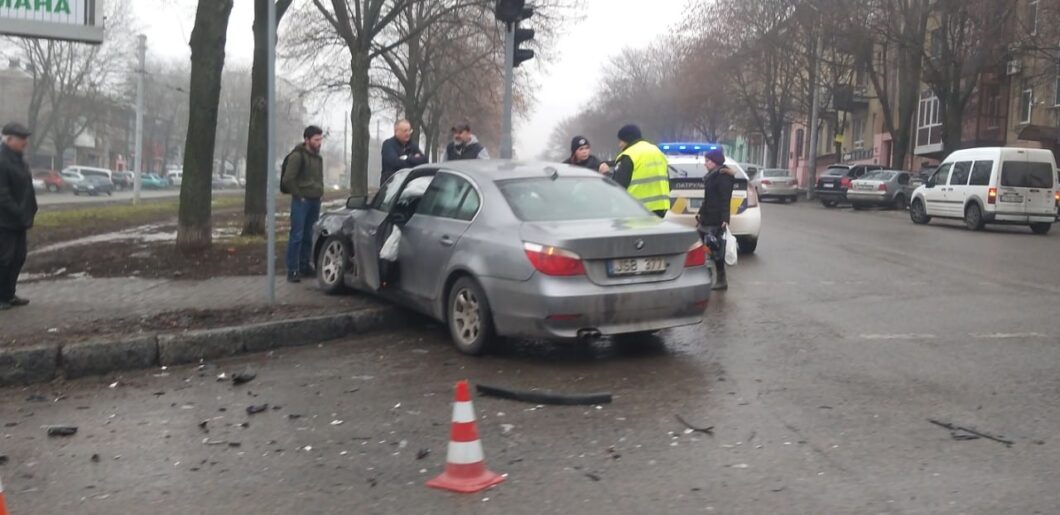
<point>501,248</point>
<point>53,182</point>
<point>833,184</point>
<point>151,181</point>
<point>887,188</point>
<point>776,183</point>
<point>94,185</point>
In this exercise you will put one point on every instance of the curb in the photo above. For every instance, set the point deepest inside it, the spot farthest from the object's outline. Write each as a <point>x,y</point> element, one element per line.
<point>43,363</point>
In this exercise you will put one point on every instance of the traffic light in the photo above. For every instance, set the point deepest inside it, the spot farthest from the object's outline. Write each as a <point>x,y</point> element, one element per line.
<point>522,54</point>
<point>509,11</point>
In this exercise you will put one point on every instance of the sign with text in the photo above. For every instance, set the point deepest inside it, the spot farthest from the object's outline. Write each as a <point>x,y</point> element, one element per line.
<point>66,20</point>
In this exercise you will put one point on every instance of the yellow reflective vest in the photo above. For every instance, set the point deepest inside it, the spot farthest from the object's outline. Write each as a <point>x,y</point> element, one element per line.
<point>650,183</point>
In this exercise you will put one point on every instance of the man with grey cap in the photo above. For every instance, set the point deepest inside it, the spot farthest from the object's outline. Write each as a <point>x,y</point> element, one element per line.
<point>18,206</point>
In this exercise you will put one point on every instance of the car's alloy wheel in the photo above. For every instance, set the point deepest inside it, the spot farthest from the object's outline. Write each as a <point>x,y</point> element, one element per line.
<point>918,214</point>
<point>899,203</point>
<point>470,318</point>
<point>331,266</point>
<point>973,217</point>
<point>1041,228</point>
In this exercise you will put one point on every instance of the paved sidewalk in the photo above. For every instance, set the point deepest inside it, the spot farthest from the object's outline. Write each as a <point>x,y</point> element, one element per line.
<point>67,303</point>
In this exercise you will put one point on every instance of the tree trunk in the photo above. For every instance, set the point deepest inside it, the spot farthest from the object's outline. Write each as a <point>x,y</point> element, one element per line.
<point>207,62</point>
<point>360,119</point>
<point>256,194</point>
<point>952,125</point>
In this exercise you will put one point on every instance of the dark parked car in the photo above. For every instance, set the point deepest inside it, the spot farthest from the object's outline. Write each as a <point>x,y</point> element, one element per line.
<point>123,180</point>
<point>94,185</point>
<point>833,184</point>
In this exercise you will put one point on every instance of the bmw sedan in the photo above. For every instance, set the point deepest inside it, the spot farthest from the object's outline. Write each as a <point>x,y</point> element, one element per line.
<point>501,248</point>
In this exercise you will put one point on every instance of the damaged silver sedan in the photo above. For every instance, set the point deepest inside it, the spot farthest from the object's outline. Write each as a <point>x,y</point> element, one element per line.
<point>501,248</point>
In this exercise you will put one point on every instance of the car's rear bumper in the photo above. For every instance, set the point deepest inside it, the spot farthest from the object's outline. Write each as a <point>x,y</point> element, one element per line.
<point>870,197</point>
<point>777,191</point>
<point>567,307</point>
<point>828,194</point>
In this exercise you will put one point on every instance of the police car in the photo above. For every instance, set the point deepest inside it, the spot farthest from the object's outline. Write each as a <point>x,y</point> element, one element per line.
<point>687,169</point>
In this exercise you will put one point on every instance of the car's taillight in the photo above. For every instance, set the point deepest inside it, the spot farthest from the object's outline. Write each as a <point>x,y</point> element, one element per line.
<point>697,256</point>
<point>991,196</point>
<point>554,261</point>
<point>882,187</point>
<point>1058,199</point>
<point>752,198</point>
<point>767,183</point>
<point>845,182</point>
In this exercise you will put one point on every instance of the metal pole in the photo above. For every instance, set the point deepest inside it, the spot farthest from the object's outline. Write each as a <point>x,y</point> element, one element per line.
<point>814,117</point>
<point>345,147</point>
<point>138,164</point>
<point>270,156</point>
<point>509,80</point>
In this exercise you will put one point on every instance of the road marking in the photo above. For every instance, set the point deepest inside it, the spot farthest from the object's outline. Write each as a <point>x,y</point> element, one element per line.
<point>1008,336</point>
<point>898,337</point>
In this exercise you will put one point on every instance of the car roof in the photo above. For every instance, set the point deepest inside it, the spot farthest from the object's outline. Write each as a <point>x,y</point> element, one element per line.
<point>487,170</point>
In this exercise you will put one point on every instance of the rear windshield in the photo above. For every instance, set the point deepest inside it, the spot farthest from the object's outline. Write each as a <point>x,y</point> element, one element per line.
<point>879,176</point>
<point>575,198</point>
<point>1021,174</point>
<point>776,173</point>
<point>691,171</point>
<point>836,172</point>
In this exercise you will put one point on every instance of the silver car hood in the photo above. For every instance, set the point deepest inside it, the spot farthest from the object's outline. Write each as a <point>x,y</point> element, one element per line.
<point>613,238</point>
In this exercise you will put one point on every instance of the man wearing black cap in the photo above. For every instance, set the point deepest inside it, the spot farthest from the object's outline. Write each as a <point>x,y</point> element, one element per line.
<point>465,145</point>
<point>18,206</point>
<point>581,155</point>
<point>643,170</point>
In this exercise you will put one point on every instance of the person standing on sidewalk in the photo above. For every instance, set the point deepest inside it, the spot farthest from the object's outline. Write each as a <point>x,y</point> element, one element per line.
<point>400,152</point>
<point>303,179</point>
<point>715,213</point>
<point>18,207</point>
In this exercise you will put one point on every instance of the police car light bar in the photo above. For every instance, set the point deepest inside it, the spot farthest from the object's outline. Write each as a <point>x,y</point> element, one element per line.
<point>694,149</point>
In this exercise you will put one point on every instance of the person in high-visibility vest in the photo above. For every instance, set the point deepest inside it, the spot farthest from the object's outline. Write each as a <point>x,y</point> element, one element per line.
<point>642,169</point>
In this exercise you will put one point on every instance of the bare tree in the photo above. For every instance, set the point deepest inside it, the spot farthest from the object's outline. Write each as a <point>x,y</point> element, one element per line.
<point>207,63</point>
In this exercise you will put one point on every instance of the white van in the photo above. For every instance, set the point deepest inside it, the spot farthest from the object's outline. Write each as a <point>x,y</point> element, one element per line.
<point>73,175</point>
<point>1009,186</point>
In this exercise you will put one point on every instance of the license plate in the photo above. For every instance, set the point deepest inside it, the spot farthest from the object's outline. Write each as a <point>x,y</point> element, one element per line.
<point>1012,197</point>
<point>636,266</point>
<point>829,185</point>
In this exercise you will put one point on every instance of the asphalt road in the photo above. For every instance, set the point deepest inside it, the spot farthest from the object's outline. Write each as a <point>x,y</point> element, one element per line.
<point>819,370</point>
<point>59,199</point>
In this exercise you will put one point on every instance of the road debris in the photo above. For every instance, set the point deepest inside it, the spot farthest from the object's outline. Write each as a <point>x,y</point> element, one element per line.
<point>95,458</point>
<point>294,416</point>
<point>705,430</point>
<point>963,433</point>
<point>592,476</point>
<point>202,425</point>
<point>3,459</point>
<point>62,430</point>
<point>422,453</point>
<point>255,409</point>
<point>243,378</point>
<point>544,397</point>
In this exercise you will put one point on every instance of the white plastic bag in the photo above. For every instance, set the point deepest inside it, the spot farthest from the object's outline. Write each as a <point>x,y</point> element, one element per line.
<point>732,248</point>
<point>389,252</point>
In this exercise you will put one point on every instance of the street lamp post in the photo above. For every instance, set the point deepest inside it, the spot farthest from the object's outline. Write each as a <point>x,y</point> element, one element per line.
<point>138,161</point>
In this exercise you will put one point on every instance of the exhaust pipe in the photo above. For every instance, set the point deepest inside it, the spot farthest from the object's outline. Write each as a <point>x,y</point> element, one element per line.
<point>588,335</point>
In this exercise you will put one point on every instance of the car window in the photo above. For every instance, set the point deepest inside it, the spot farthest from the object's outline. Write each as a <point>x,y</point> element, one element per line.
<point>443,196</point>
<point>942,175</point>
<point>574,198</point>
<point>387,194</point>
<point>470,206</point>
<point>836,172</point>
<point>879,176</point>
<point>981,173</point>
<point>690,170</point>
<point>903,179</point>
<point>776,173</point>
<point>1023,174</point>
<point>961,172</point>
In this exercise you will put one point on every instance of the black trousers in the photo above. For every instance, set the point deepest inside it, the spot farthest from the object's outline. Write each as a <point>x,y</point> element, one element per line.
<point>12,257</point>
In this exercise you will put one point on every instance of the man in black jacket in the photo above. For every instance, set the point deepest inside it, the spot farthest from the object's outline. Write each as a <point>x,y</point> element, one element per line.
<point>716,210</point>
<point>465,145</point>
<point>581,155</point>
<point>400,152</point>
<point>18,207</point>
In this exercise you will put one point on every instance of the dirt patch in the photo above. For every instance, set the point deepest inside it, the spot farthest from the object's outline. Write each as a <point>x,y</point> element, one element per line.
<point>167,322</point>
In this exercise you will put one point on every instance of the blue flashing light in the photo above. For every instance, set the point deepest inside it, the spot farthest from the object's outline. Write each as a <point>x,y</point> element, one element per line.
<point>692,149</point>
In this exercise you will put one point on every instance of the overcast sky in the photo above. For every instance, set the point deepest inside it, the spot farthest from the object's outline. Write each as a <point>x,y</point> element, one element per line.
<point>565,84</point>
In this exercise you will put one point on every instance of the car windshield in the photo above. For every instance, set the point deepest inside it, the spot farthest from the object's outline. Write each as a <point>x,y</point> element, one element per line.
<point>836,172</point>
<point>582,198</point>
<point>689,170</point>
<point>776,173</point>
<point>879,175</point>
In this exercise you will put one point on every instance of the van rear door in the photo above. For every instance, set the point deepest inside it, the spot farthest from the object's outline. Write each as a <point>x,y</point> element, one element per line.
<point>1026,188</point>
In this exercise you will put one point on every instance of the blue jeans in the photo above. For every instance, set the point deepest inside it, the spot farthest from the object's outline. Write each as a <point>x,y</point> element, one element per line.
<point>304,213</point>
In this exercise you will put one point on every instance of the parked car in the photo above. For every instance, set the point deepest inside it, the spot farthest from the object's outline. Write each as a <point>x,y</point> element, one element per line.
<point>38,185</point>
<point>124,180</point>
<point>776,183</point>
<point>152,181</point>
<point>498,248</point>
<point>75,175</point>
<point>94,185</point>
<point>888,188</point>
<point>1005,186</point>
<point>53,182</point>
<point>833,184</point>
<point>224,182</point>
<point>174,177</point>
<point>686,193</point>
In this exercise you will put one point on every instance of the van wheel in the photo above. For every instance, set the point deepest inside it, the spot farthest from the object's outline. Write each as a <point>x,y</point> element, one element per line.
<point>973,217</point>
<point>918,213</point>
<point>470,318</point>
<point>899,203</point>
<point>1041,228</point>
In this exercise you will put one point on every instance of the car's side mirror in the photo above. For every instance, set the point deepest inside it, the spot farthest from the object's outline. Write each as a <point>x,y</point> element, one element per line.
<point>357,203</point>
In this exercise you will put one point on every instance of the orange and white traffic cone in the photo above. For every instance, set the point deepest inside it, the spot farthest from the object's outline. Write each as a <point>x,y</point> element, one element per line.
<point>3,505</point>
<point>465,465</point>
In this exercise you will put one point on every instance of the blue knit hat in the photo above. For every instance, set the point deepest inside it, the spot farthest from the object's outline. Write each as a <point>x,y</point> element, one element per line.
<point>717,155</point>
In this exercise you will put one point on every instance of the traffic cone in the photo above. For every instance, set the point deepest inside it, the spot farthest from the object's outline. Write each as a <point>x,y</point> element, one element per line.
<point>3,505</point>
<point>465,465</point>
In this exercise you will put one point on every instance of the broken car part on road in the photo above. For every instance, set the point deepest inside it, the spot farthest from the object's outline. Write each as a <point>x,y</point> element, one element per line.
<point>545,397</point>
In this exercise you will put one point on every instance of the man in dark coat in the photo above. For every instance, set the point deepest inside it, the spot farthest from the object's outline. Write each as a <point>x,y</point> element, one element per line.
<point>465,145</point>
<point>400,152</point>
<point>716,210</point>
<point>581,155</point>
<point>18,207</point>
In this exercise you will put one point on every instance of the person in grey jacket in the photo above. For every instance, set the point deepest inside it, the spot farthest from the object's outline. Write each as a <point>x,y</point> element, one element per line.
<point>18,207</point>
